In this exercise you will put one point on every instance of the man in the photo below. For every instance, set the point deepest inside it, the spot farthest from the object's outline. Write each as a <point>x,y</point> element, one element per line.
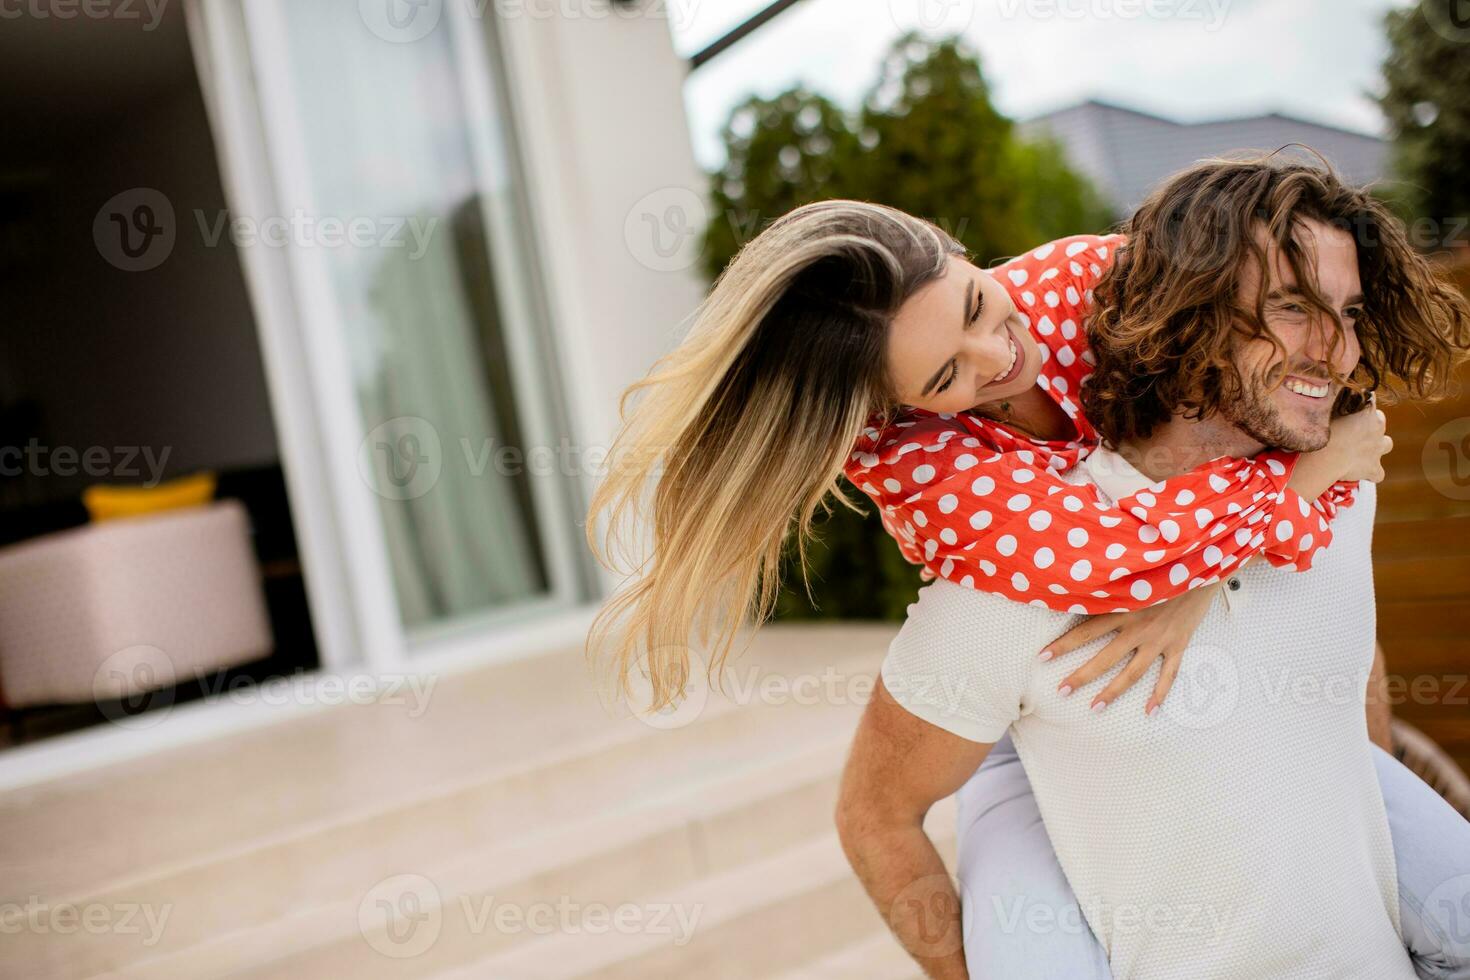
<point>1241,831</point>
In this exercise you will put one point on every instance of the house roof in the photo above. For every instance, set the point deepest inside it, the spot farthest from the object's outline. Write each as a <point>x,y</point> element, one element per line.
<point>1126,152</point>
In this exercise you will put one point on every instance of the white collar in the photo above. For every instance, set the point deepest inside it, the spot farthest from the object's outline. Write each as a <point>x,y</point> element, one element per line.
<point>1114,475</point>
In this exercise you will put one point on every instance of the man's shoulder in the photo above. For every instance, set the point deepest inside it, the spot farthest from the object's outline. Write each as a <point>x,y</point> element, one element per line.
<point>947,617</point>
<point>964,659</point>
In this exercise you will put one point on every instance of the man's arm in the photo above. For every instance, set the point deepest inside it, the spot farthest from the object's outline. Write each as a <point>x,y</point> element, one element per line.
<point>899,767</point>
<point>1380,718</point>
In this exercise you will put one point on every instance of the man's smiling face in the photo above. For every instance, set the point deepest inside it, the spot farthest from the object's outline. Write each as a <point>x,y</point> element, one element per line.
<point>1287,400</point>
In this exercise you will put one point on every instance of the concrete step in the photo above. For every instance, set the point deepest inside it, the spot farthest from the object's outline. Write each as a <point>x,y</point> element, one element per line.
<point>876,957</point>
<point>610,858</point>
<point>798,906</point>
<point>559,819</point>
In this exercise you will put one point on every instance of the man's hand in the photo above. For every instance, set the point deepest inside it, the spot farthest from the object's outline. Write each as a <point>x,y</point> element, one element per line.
<point>899,767</point>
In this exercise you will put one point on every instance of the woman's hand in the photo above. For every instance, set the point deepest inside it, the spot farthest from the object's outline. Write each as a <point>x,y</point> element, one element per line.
<point>1353,452</point>
<point>1157,631</point>
<point>1364,442</point>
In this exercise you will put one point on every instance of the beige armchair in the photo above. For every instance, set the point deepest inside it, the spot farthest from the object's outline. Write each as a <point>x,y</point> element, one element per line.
<point>112,609</point>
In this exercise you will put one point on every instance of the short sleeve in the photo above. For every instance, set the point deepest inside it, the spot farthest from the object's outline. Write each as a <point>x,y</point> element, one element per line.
<point>963,660</point>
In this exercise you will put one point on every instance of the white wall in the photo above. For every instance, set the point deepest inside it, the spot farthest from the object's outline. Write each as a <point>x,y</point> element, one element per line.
<point>600,104</point>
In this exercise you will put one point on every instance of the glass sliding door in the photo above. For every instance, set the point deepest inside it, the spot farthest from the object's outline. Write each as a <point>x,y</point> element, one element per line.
<point>404,207</point>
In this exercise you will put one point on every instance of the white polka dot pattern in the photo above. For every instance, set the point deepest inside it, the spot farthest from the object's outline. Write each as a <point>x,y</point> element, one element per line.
<point>958,491</point>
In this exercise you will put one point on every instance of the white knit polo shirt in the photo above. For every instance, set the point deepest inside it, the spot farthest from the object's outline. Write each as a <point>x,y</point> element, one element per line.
<point>1238,833</point>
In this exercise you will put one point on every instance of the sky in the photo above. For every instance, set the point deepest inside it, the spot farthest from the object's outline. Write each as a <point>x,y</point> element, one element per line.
<point>1187,60</point>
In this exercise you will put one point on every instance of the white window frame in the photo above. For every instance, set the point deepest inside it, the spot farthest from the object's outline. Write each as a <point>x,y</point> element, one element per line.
<point>385,641</point>
<point>350,593</point>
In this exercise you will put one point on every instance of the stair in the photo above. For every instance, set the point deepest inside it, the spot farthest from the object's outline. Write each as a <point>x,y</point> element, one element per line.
<point>507,823</point>
<point>877,957</point>
<point>801,902</point>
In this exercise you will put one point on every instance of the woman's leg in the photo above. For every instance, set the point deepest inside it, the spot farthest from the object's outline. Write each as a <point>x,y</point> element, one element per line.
<point>1431,849</point>
<point>1020,916</point>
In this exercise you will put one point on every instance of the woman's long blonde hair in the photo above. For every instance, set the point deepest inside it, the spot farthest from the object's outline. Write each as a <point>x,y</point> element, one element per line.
<point>739,435</point>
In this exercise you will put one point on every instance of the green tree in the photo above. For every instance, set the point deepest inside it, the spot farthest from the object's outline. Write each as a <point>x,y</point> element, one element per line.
<point>939,149</point>
<point>780,153</point>
<point>925,139</point>
<point>1427,103</point>
<point>1055,199</point>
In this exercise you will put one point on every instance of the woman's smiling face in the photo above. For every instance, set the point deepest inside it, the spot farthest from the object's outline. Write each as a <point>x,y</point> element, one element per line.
<point>958,343</point>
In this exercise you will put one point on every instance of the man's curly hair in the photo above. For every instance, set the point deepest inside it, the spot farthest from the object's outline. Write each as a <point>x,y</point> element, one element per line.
<point>1167,315</point>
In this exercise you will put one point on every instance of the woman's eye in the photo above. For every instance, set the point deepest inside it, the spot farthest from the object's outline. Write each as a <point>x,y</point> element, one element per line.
<point>940,390</point>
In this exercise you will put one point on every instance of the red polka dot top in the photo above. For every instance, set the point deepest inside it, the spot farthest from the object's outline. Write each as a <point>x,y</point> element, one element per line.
<point>984,506</point>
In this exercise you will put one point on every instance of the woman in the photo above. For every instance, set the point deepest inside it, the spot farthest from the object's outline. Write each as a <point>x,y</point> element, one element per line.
<point>788,375</point>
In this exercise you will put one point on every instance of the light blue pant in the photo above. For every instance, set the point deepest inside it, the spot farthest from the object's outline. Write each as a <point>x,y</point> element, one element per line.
<point>1005,853</point>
